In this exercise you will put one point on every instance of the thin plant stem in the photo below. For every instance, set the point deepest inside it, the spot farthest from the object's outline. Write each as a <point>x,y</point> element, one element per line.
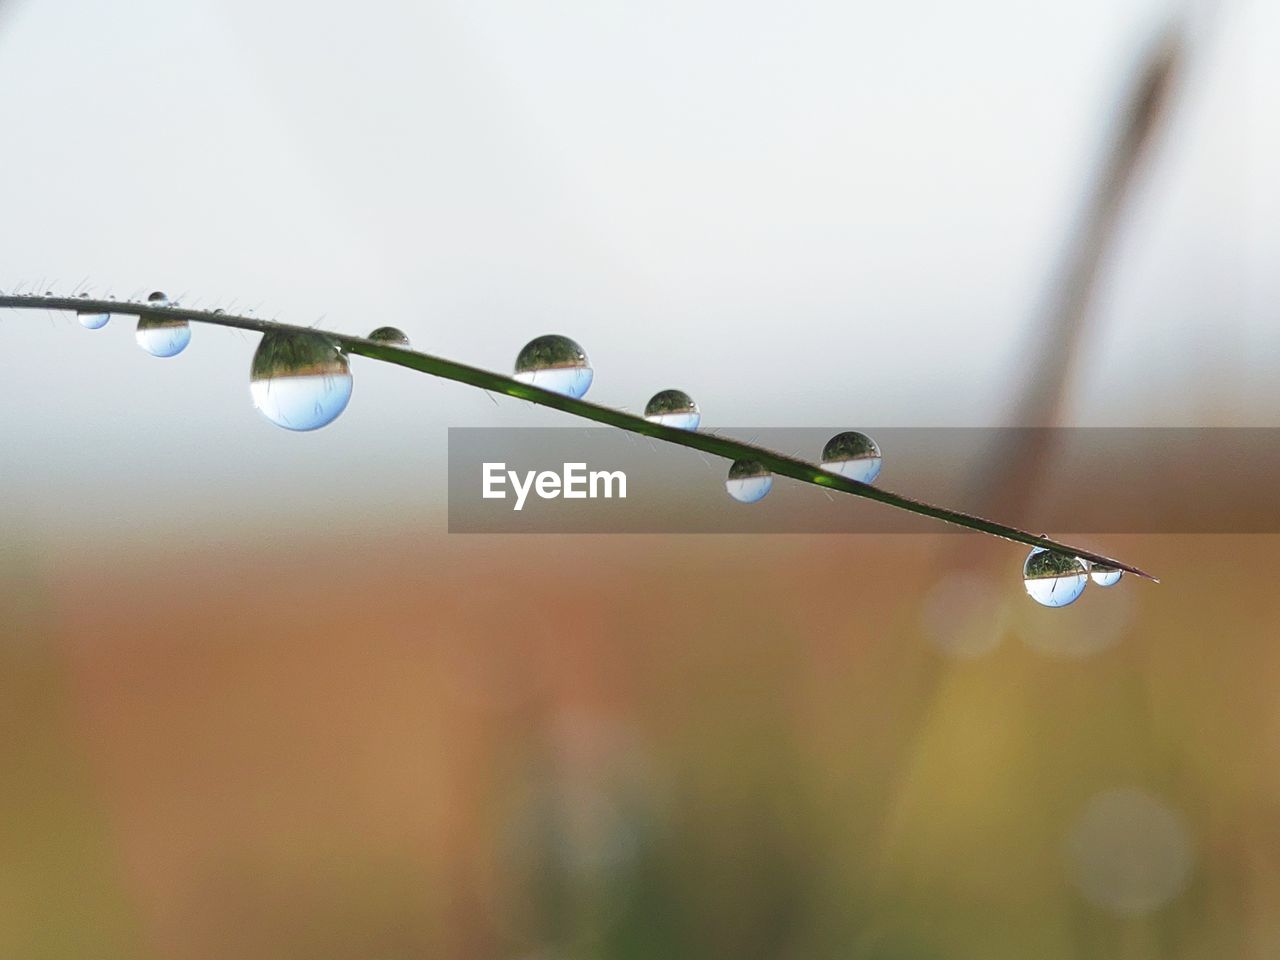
<point>719,446</point>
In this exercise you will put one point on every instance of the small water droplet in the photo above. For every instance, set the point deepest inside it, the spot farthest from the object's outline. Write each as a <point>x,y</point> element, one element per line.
<point>218,311</point>
<point>92,319</point>
<point>1054,579</point>
<point>555,363</point>
<point>392,335</point>
<point>853,455</point>
<point>162,336</point>
<point>748,481</point>
<point>1105,576</point>
<point>157,298</point>
<point>673,408</point>
<point>299,381</point>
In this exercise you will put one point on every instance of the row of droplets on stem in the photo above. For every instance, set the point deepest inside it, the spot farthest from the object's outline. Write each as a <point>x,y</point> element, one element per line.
<point>303,381</point>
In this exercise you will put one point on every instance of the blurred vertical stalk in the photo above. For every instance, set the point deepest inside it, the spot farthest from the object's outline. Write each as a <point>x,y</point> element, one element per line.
<point>1010,479</point>
<point>1011,474</point>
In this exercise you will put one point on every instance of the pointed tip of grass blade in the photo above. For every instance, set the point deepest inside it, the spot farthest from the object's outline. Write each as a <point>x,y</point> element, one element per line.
<point>1136,572</point>
<point>1102,561</point>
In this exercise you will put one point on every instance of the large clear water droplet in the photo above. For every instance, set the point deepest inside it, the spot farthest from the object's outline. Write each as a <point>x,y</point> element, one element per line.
<point>748,481</point>
<point>1054,579</point>
<point>157,298</point>
<point>163,336</point>
<point>300,381</point>
<point>92,319</point>
<point>1105,576</point>
<point>392,335</point>
<point>853,455</point>
<point>555,363</point>
<point>673,408</point>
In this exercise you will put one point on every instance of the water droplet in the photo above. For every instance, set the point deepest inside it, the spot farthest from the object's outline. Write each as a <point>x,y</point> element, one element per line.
<point>555,363</point>
<point>163,336</point>
<point>1054,579</point>
<point>853,455</point>
<point>748,481</point>
<point>673,408</point>
<point>92,319</point>
<point>1105,576</point>
<point>300,381</point>
<point>157,298</point>
<point>392,335</point>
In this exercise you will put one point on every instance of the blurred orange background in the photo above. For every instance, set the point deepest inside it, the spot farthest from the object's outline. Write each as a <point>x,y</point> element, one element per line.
<point>577,746</point>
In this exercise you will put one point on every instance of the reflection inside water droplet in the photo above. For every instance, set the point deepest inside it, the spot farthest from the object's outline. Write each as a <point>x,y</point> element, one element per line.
<point>748,481</point>
<point>1054,579</point>
<point>299,381</point>
<point>673,408</point>
<point>853,455</point>
<point>555,363</point>
<point>157,298</point>
<point>162,336</point>
<point>1105,576</point>
<point>392,335</point>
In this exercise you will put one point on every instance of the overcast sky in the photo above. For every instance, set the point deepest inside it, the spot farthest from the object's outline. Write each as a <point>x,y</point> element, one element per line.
<point>803,214</point>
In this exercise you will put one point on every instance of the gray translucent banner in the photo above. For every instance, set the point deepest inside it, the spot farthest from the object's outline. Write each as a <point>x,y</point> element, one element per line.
<point>1103,480</point>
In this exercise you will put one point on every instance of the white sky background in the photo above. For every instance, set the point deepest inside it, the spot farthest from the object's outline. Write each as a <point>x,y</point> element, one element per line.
<point>806,214</point>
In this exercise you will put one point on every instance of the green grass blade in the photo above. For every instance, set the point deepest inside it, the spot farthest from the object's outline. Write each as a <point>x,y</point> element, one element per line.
<point>718,446</point>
